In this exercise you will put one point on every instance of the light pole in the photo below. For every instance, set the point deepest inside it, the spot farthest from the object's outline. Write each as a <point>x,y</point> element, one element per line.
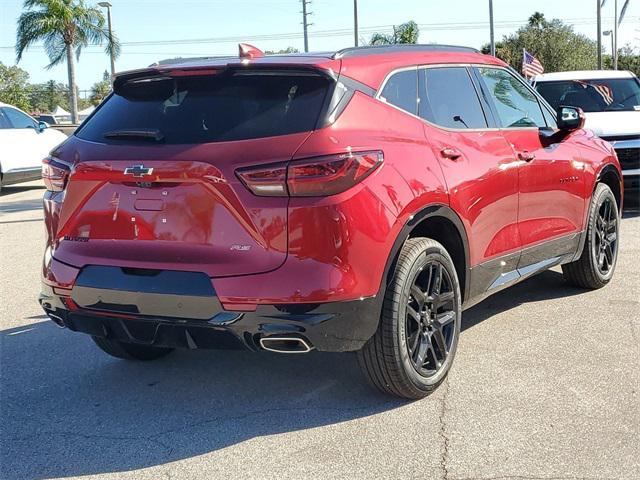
<point>355,22</point>
<point>492,41</point>
<point>107,5</point>
<point>606,34</point>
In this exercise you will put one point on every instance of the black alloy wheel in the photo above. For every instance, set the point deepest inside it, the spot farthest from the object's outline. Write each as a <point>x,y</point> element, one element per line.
<point>430,319</point>
<point>605,245</point>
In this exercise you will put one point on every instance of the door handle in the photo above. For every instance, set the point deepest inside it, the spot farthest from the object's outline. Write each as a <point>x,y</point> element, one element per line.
<point>450,153</point>
<point>526,156</point>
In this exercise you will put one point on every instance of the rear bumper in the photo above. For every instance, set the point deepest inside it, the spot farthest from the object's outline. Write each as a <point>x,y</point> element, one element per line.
<point>333,326</point>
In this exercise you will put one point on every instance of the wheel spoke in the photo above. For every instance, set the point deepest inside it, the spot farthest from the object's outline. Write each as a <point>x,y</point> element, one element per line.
<point>612,237</point>
<point>608,253</point>
<point>438,281</point>
<point>440,342</point>
<point>418,295</point>
<point>601,259</point>
<point>413,342</point>
<point>444,319</point>
<point>421,352</point>
<point>442,299</point>
<point>413,314</point>
<point>436,361</point>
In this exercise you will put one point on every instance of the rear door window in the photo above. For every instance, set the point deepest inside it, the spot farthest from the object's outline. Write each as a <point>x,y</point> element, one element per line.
<point>449,99</point>
<point>401,90</point>
<point>212,108</point>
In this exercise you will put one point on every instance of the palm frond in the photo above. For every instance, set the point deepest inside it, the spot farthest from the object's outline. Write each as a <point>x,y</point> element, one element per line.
<point>55,48</point>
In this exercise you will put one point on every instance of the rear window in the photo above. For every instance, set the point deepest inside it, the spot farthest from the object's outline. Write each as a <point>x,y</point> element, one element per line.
<point>214,108</point>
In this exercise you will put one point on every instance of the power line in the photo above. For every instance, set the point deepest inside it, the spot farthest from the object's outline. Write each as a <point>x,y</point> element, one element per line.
<point>426,27</point>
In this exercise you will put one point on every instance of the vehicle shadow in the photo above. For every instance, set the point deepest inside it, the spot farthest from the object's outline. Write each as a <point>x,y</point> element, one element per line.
<point>67,409</point>
<point>544,286</point>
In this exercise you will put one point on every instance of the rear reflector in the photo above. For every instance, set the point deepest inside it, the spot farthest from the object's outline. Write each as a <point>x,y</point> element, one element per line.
<point>55,174</point>
<point>314,177</point>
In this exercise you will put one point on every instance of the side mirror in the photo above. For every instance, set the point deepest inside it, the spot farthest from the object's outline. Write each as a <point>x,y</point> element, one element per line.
<point>42,126</point>
<point>570,118</point>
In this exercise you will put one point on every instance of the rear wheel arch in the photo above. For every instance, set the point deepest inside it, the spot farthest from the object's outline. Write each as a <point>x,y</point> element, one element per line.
<point>441,223</point>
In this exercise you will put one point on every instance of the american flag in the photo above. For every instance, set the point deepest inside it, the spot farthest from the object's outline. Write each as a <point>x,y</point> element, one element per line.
<point>531,66</point>
<point>605,92</point>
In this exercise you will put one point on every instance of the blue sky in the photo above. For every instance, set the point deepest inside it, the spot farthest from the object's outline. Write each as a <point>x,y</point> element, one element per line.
<point>152,21</point>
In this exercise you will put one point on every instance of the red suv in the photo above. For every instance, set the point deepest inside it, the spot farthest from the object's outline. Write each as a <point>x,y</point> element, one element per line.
<point>348,201</point>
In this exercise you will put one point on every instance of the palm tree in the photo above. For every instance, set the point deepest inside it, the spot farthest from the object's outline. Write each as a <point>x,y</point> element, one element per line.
<point>405,33</point>
<point>537,20</point>
<point>65,27</point>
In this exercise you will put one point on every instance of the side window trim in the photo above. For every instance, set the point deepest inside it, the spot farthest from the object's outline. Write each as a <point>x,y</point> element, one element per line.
<point>378,95</point>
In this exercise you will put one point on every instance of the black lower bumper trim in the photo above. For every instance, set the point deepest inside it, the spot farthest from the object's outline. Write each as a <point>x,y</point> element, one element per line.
<point>335,326</point>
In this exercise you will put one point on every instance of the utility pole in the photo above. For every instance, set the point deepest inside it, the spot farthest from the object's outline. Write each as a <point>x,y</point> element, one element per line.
<point>491,31</point>
<point>355,22</point>
<point>615,36</point>
<point>305,24</point>
<point>599,34</point>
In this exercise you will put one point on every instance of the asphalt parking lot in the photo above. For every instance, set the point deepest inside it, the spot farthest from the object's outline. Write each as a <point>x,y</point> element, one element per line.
<point>545,385</point>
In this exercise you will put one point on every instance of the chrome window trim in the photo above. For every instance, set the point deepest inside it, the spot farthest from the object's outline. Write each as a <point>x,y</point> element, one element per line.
<point>378,95</point>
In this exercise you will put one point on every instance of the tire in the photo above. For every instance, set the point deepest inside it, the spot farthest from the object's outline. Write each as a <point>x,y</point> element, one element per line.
<point>395,360</point>
<point>130,351</point>
<point>597,262</point>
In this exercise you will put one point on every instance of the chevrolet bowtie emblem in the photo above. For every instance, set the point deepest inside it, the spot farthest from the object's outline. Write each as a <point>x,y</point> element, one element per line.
<point>138,171</point>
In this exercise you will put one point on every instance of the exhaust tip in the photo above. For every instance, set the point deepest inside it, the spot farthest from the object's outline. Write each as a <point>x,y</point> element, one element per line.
<point>285,345</point>
<point>56,319</point>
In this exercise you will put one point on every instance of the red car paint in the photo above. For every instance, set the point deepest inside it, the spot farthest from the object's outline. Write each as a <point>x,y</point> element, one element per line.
<point>195,214</point>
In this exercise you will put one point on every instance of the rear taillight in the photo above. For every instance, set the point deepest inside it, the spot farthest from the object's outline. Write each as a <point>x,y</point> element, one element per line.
<point>315,177</point>
<point>55,174</point>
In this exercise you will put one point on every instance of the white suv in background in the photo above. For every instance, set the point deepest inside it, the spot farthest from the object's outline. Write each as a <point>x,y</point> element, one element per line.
<point>611,102</point>
<point>24,142</point>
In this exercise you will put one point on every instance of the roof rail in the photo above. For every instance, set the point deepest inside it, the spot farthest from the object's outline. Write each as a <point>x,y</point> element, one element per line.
<point>382,49</point>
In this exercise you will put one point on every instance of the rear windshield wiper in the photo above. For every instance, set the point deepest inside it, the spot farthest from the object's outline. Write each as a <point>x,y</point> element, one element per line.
<point>155,135</point>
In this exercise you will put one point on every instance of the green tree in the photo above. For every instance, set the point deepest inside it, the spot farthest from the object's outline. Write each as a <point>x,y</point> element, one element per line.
<point>44,97</point>
<point>65,27</point>
<point>628,59</point>
<point>101,89</point>
<point>555,44</point>
<point>406,33</point>
<point>14,86</point>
